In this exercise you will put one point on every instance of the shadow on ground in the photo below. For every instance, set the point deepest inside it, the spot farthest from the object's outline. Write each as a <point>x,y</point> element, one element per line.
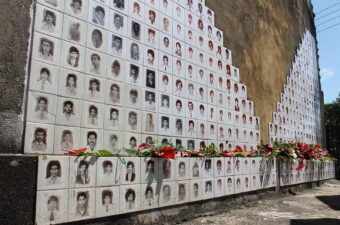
<point>332,201</point>
<point>323,221</point>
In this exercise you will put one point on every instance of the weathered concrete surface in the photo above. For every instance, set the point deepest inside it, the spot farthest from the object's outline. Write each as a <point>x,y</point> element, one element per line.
<point>319,206</point>
<point>18,189</point>
<point>14,29</point>
<point>263,37</point>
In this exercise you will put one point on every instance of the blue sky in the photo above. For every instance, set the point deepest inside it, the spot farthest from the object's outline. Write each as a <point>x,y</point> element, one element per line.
<point>329,47</point>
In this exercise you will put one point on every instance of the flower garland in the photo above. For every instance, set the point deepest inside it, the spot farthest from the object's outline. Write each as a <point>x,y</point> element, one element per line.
<point>296,151</point>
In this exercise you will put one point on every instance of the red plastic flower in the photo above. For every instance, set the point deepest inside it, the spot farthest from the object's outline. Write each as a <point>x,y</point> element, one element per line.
<point>238,149</point>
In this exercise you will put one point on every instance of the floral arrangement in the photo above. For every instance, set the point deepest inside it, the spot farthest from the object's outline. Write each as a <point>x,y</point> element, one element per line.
<point>296,151</point>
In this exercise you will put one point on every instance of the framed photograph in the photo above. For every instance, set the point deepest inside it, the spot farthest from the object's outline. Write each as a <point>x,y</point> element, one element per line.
<point>149,195</point>
<point>167,194</point>
<point>66,138</point>
<point>76,8</point>
<point>48,21</point>
<point>191,144</point>
<point>53,207</point>
<point>165,102</point>
<point>113,140</point>
<point>167,169</point>
<point>150,122</point>
<point>151,78</point>
<point>107,201</point>
<point>196,190</point>
<point>132,140</point>
<point>229,185</point>
<point>133,120</point>
<point>91,139</point>
<point>131,173</point>
<point>182,189</point>
<point>134,74</point>
<point>118,46</point>
<point>136,30</point>
<point>82,172</point>
<point>98,14</point>
<point>114,117</point>
<point>53,172</point>
<point>46,49</point>
<point>114,93</point>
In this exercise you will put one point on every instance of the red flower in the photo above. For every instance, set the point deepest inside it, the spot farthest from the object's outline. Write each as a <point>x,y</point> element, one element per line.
<point>227,154</point>
<point>301,165</point>
<point>76,151</point>
<point>143,146</point>
<point>238,149</point>
<point>317,146</point>
<point>169,155</point>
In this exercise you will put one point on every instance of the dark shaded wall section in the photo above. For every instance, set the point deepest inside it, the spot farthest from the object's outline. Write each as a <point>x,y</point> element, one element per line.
<point>14,30</point>
<point>263,37</point>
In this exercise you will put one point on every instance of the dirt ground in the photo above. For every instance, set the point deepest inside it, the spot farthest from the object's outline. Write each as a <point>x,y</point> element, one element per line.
<point>318,206</point>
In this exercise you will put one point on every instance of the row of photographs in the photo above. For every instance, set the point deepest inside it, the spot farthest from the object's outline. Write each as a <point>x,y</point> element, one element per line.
<point>308,138</point>
<point>100,15</point>
<point>47,139</point>
<point>85,203</point>
<point>45,108</point>
<point>283,122</point>
<point>55,23</point>
<point>60,172</point>
<point>310,166</point>
<point>49,79</point>
<point>298,177</point>
<point>72,56</point>
<point>284,131</point>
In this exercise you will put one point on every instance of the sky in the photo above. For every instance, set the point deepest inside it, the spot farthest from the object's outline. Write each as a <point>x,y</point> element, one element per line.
<point>329,46</point>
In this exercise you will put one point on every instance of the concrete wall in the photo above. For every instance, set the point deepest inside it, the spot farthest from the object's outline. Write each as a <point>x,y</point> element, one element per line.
<point>263,36</point>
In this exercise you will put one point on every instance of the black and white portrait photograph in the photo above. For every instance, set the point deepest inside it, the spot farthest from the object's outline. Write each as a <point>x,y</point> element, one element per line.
<point>219,167</point>
<point>149,170</point>
<point>165,103</point>
<point>165,43</point>
<point>134,74</point>
<point>70,83</point>
<point>191,144</point>
<point>136,30</point>
<point>178,87</point>
<point>164,125</point>
<point>178,30</point>
<point>167,194</point>
<point>196,166</point>
<point>208,169</point>
<point>165,62</point>
<point>150,78</point>
<point>179,126</point>
<point>246,166</point>
<point>96,38</point>
<point>92,115</point>
<point>134,96</point>
<point>196,190</point>
<point>107,201</point>
<point>132,140</point>
<point>48,21</point>
<point>151,37</point>
<point>46,49</point>
<point>202,111</point>
<point>229,181</point>
<point>130,198</point>
<point>151,16</point>
<point>55,4</point>
<point>113,141</point>
<point>166,24</point>
<point>117,45</point>
<point>95,63</point>
<point>219,186</point>
<point>91,139</point>
<point>182,169</point>
<point>74,30</point>
<point>53,172</point>
<point>115,68</point>
<point>254,181</point>
<point>107,172</point>
<point>246,183</point>
<point>114,118</point>
<point>98,14</point>
<point>238,166</point>
<point>167,169</point>
<point>133,120</point>
<point>42,107</point>
<point>151,58</point>
<point>150,122</point>
<point>149,195</point>
<point>150,100</point>
<point>202,130</point>
<point>72,56</point>
<point>118,23</point>
<point>77,8</point>
<point>178,48</point>
<point>119,5</point>
<point>82,172</point>
<point>68,112</point>
<point>191,128</point>
<point>53,207</point>
<point>94,89</point>
<point>238,186</point>
<point>191,109</point>
<point>165,6</point>
<point>165,83</point>
<point>182,189</point>
<point>136,10</point>
<point>65,139</point>
<point>44,77</point>
<point>135,52</point>
<point>229,168</point>
<point>208,188</point>
<point>131,172</point>
<point>114,93</point>
<point>178,67</point>
<point>81,203</point>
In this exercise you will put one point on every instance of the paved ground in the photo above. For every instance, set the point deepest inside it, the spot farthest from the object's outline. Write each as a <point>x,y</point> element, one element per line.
<point>318,206</point>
